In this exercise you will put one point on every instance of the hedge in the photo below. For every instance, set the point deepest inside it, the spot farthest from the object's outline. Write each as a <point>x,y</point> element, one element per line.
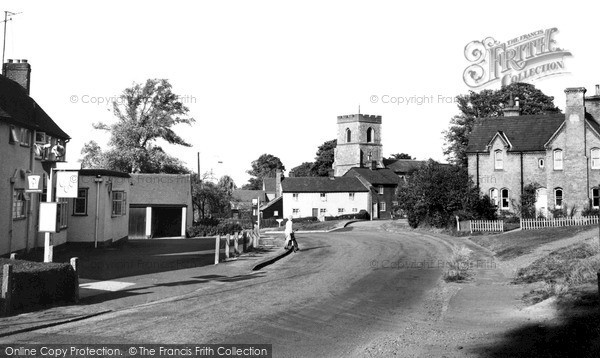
<point>361,215</point>
<point>39,284</point>
<point>221,229</point>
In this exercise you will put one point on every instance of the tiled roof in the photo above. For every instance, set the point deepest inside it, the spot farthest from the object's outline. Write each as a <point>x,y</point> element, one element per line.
<point>525,133</point>
<point>403,166</point>
<point>269,185</point>
<point>272,202</point>
<point>322,185</point>
<point>243,195</point>
<point>18,108</point>
<point>382,176</point>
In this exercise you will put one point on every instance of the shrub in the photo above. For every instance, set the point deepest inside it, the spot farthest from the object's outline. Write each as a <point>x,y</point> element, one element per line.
<point>361,215</point>
<point>221,229</point>
<point>459,265</point>
<point>208,222</point>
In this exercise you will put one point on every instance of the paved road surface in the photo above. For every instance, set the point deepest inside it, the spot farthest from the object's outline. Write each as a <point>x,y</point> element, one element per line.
<point>336,295</point>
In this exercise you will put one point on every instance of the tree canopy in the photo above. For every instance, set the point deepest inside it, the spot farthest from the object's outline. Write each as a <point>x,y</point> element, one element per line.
<point>400,156</point>
<point>489,103</point>
<point>146,113</point>
<point>264,167</point>
<point>210,199</point>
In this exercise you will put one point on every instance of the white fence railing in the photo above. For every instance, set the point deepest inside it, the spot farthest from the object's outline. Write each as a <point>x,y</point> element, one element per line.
<point>530,224</point>
<point>487,225</point>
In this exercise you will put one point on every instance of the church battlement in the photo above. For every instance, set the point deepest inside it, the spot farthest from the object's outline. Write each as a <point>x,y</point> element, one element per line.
<point>369,118</point>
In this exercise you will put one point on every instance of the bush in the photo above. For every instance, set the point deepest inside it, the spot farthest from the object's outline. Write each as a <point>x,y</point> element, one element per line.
<point>40,284</point>
<point>459,265</point>
<point>361,215</point>
<point>221,229</point>
<point>208,222</point>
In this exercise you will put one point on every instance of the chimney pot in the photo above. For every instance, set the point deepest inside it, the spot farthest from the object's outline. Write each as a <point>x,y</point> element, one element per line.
<point>24,61</point>
<point>10,61</point>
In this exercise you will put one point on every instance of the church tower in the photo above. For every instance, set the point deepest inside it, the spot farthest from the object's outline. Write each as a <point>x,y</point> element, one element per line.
<point>358,143</point>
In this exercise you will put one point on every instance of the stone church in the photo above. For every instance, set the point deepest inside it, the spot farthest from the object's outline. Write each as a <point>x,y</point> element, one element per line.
<point>560,152</point>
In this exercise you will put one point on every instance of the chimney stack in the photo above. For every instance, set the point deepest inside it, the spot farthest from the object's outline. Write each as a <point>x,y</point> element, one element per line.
<point>19,71</point>
<point>592,105</point>
<point>373,164</point>
<point>575,106</point>
<point>278,189</point>
<point>512,109</point>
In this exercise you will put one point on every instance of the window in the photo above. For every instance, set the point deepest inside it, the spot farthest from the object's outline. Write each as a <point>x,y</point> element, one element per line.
<point>340,211</point>
<point>558,198</point>
<point>541,163</point>
<point>322,211</point>
<point>323,196</point>
<point>80,203</point>
<point>595,154</point>
<point>381,189</point>
<point>296,212</point>
<point>350,196</point>
<point>596,198</point>
<point>14,135</point>
<point>394,203</point>
<point>295,196</point>
<point>119,200</point>
<point>494,196</point>
<point>558,159</point>
<point>348,135</point>
<point>25,137</point>
<point>61,212</point>
<point>275,213</point>
<point>382,206</point>
<point>505,201</point>
<point>354,210</point>
<point>369,135</point>
<point>19,208</point>
<point>498,162</point>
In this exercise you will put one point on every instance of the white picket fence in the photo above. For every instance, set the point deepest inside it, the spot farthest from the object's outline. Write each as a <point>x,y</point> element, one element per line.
<point>531,224</point>
<point>487,225</point>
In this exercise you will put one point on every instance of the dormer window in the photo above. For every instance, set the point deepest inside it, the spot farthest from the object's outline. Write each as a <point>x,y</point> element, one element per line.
<point>348,135</point>
<point>558,159</point>
<point>498,160</point>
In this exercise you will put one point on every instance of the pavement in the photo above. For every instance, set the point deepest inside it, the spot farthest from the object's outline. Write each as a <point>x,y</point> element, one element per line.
<point>142,273</point>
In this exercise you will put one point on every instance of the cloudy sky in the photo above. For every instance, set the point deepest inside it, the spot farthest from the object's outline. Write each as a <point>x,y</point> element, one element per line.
<point>272,76</point>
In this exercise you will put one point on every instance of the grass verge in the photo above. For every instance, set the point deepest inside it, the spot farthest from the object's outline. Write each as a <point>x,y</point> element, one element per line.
<point>513,244</point>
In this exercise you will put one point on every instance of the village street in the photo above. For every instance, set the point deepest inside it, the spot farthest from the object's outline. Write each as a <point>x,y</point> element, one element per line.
<point>338,293</point>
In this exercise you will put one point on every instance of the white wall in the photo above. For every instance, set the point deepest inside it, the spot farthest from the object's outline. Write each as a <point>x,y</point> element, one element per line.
<point>307,201</point>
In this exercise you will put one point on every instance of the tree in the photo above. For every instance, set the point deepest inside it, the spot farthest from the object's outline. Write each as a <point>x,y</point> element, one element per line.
<point>209,199</point>
<point>227,184</point>
<point>145,114</point>
<point>324,159</point>
<point>264,167</point>
<point>489,103</point>
<point>303,170</point>
<point>435,193</point>
<point>400,156</point>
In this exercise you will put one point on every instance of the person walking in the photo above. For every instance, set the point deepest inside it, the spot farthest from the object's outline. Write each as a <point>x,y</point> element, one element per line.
<point>290,239</point>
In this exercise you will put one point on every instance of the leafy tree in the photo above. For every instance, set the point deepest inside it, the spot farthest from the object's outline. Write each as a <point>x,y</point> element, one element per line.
<point>264,167</point>
<point>435,193</point>
<point>527,206</point>
<point>227,184</point>
<point>489,103</point>
<point>145,114</point>
<point>303,170</point>
<point>210,199</point>
<point>324,159</point>
<point>400,156</point>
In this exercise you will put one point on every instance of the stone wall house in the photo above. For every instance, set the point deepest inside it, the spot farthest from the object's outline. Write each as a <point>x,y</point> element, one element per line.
<point>560,152</point>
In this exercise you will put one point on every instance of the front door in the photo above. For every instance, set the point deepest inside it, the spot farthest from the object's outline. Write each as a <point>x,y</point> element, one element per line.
<point>315,212</point>
<point>541,201</point>
<point>375,212</point>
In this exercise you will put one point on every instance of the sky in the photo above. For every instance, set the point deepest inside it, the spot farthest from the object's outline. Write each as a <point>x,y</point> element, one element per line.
<point>272,76</point>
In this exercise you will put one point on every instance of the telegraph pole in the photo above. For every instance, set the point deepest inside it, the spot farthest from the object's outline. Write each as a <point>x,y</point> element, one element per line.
<point>6,19</point>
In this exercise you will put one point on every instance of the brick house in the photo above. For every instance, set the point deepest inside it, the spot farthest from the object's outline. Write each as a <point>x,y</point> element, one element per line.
<point>560,152</point>
<point>382,184</point>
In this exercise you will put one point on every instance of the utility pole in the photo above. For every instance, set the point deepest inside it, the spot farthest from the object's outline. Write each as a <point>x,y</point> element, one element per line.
<point>7,19</point>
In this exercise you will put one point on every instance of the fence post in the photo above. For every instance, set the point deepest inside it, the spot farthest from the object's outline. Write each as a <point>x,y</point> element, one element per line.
<point>235,243</point>
<point>13,256</point>
<point>7,288</point>
<point>75,266</point>
<point>227,246</point>
<point>217,244</point>
<point>244,239</point>
<point>256,239</point>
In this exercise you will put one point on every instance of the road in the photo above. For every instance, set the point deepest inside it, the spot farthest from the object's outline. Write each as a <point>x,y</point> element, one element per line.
<point>342,291</point>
